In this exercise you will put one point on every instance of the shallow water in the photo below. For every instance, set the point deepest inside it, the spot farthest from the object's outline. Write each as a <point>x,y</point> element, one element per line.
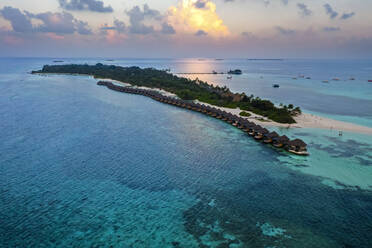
<point>84,166</point>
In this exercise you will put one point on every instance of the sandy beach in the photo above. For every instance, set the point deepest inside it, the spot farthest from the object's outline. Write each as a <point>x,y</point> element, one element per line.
<point>304,120</point>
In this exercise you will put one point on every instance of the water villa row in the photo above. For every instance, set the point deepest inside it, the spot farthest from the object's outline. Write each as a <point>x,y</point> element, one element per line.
<point>258,132</point>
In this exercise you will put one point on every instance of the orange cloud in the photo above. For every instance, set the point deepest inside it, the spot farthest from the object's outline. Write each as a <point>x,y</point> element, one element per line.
<point>188,17</point>
<point>114,37</point>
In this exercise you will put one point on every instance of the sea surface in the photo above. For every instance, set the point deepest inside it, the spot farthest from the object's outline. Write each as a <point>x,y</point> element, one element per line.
<point>84,166</point>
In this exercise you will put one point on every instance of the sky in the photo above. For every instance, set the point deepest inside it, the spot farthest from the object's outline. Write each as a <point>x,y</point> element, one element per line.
<point>186,28</point>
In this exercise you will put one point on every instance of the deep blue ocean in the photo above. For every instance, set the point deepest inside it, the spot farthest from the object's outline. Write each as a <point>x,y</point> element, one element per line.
<point>84,166</point>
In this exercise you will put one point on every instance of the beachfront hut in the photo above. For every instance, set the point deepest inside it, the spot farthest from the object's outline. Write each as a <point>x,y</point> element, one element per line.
<point>268,138</point>
<point>298,147</point>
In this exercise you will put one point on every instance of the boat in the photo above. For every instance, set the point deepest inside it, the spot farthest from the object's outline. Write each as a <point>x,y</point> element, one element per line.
<point>276,85</point>
<point>308,77</point>
<point>351,78</point>
<point>229,77</point>
<point>325,81</point>
<point>370,81</point>
<point>294,78</point>
<point>214,72</point>
<point>336,79</point>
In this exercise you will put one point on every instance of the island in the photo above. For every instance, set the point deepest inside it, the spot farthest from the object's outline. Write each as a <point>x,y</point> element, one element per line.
<point>187,94</point>
<point>184,88</point>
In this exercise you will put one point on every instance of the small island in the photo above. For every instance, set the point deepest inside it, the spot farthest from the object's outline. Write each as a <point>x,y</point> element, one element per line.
<point>184,88</point>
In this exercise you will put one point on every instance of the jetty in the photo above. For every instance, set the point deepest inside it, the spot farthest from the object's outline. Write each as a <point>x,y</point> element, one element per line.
<point>258,132</point>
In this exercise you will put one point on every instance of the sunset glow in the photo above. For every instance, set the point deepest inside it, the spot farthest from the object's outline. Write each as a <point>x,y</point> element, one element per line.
<point>233,28</point>
<point>189,18</point>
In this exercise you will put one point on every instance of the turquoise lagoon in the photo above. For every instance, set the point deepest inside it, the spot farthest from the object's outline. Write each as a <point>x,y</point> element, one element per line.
<point>83,166</point>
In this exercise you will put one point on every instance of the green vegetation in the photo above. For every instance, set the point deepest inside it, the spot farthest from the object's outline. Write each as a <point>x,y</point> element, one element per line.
<point>245,114</point>
<point>184,88</point>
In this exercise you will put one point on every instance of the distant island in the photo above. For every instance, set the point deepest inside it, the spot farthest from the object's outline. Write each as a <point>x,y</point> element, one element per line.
<point>235,72</point>
<point>267,59</point>
<point>184,88</point>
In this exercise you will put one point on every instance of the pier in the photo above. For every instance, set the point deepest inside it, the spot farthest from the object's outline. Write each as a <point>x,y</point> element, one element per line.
<point>259,133</point>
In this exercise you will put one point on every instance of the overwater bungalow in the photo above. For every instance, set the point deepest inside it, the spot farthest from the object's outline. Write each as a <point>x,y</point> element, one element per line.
<point>235,121</point>
<point>260,132</point>
<point>241,123</point>
<point>256,130</point>
<point>281,141</point>
<point>219,114</point>
<point>252,129</point>
<point>246,126</point>
<point>297,147</point>
<point>229,118</point>
<point>224,115</point>
<point>268,138</point>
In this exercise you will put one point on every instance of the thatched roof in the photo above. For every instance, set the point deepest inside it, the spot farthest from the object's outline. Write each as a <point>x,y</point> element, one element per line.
<point>298,143</point>
<point>264,131</point>
<point>283,139</point>
<point>272,135</point>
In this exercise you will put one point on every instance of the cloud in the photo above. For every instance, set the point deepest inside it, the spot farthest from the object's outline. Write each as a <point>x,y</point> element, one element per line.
<point>347,15</point>
<point>118,26</point>
<point>285,2</point>
<point>285,31</point>
<point>138,16</point>
<point>82,28</point>
<point>167,29</point>
<point>200,4</point>
<point>304,10</point>
<point>189,17</point>
<point>331,29</point>
<point>329,10</point>
<point>58,23</point>
<point>201,33</point>
<point>19,21</point>
<point>247,34</point>
<point>87,5</point>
